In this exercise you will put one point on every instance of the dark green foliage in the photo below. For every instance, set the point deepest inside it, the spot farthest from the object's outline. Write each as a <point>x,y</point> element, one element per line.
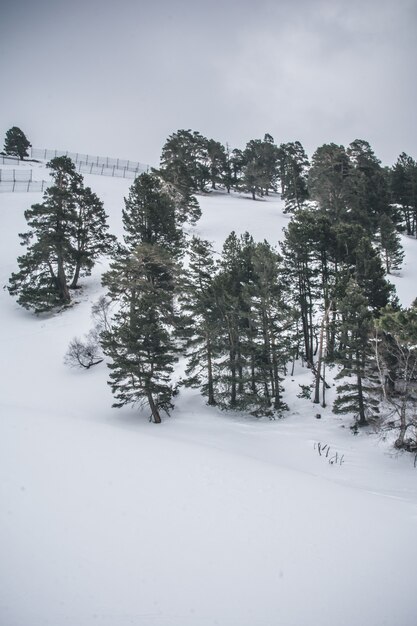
<point>201,319</point>
<point>370,275</point>
<point>356,322</point>
<point>68,231</point>
<point>150,215</point>
<point>403,184</point>
<point>293,174</point>
<point>329,180</point>
<point>42,280</point>
<point>369,194</point>
<point>389,243</point>
<point>260,172</point>
<point>91,238</point>
<point>395,344</point>
<point>184,161</point>
<point>140,342</point>
<point>254,329</point>
<point>217,162</point>
<point>16,143</point>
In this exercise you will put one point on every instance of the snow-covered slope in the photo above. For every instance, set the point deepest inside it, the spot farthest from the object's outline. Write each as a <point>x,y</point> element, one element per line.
<point>209,518</point>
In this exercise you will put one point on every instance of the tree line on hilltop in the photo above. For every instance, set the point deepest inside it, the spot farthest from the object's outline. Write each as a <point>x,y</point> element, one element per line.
<point>244,317</point>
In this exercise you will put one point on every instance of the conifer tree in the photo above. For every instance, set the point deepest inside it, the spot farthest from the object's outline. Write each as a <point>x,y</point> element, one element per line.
<point>184,161</point>
<point>293,174</point>
<point>201,318</point>
<point>395,345</point>
<point>16,143</point>
<point>329,180</point>
<point>42,280</point>
<point>68,231</point>
<point>355,396</point>
<point>389,243</point>
<point>140,342</point>
<point>216,161</point>
<point>403,185</point>
<point>150,216</point>
<point>273,321</point>
<point>91,237</point>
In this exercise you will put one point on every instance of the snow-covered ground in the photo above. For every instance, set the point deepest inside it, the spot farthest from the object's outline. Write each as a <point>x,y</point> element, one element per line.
<point>208,518</point>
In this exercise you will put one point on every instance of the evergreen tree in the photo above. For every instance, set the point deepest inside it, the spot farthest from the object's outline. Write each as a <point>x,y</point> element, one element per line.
<point>389,242</point>
<point>201,318</point>
<point>355,396</point>
<point>403,184</point>
<point>16,143</point>
<point>272,323</point>
<point>150,215</point>
<point>293,175</point>
<point>370,275</point>
<point>184,161</point>
<point>260,172</point>
<point>68,231</point>
<point>91,237</point>
<point>216,162</point>
<point>140,342</point>
<point>395,344</point>
<point>368,197</point>
<point>329,180</point>
<point>42,280</point>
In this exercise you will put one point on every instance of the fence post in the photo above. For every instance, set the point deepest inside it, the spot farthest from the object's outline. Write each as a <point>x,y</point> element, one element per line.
<point>113,171</point>
<point>28,185</point>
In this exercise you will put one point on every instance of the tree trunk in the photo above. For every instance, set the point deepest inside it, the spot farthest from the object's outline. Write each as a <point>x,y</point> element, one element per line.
<point>210,384</point>
<point>155,413</point>
<point>362,418</point>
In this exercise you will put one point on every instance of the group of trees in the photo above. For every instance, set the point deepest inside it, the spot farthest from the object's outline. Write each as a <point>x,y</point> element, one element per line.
<point>190,160</point>
<point>242,317</point>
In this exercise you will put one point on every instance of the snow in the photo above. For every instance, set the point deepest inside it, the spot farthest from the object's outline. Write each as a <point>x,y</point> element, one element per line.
<point>209,518</point>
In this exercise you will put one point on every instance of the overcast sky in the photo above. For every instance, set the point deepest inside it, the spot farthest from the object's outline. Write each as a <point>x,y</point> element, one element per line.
<point>117,78</point>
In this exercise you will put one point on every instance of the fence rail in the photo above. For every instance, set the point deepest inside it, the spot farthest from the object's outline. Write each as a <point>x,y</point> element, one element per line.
<point>12,176</point>
<point>10,160</point>
<point>24,186</point>
<point>87,159</point>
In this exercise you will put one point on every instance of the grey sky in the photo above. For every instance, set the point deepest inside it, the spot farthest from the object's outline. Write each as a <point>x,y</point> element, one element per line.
<point>117,78</point>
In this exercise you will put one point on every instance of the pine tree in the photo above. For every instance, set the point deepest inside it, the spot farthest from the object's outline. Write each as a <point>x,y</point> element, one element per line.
<point>329,180</point>
<point>353,355</point>
<point>272,320</point>
<point>403,185</point>
<point>184,161</point>
<point>16,143</point>
<point>216,162</point>
<point>389,243</point>
<point>370,275</point>
<point>68,231</point>
<point>368,196</point>
<point>150,216</point>
<point>140,342</point>
<point>201,318</point>
<point>395,345</point>
<point>293,174</point>
<point>42,280</point>
<point>91,238</point>
<point>260,173</point>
